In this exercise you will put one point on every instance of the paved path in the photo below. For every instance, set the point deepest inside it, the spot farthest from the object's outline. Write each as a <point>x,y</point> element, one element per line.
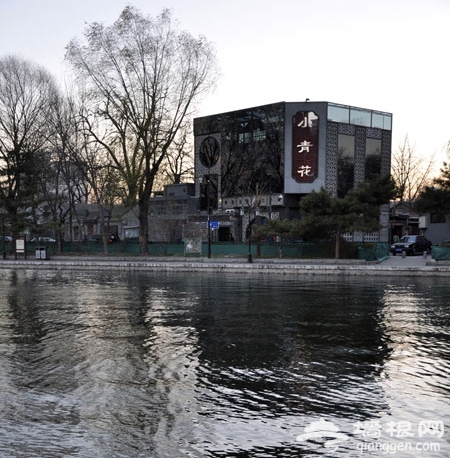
<point>394,266</point>
<point>409,261</point>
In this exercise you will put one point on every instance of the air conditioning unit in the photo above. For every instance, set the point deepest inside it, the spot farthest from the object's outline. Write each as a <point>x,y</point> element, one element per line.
<point>424,222</point>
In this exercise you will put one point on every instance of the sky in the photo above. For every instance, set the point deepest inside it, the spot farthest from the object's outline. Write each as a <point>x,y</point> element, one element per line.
<point>387,55</point>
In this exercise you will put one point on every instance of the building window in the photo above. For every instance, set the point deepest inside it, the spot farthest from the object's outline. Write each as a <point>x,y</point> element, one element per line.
<point>209,152</point>
<point>338,114</point>
<point>381,121</point>
<point>209,192</point>
<point>346,164</point>
<point>360,117</point>
<point>437,217</point>
<point>373,158</point>
<point>252,158</point>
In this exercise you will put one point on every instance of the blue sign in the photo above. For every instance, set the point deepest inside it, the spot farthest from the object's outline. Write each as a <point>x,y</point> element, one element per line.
<point>214,224</point>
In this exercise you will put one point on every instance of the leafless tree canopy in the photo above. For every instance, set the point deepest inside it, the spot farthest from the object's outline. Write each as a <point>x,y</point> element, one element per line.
<point>410,172</point>
<point>142,78</point>
<point>178,164</point>
<point>27,97</point>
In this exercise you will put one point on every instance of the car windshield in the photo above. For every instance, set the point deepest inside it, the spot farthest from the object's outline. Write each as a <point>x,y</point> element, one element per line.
<point>408,239</point>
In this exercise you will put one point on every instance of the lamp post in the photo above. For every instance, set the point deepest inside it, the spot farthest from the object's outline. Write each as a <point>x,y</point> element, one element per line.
<point>208,205</point>
<point>249,232</point>
<point>249,257</point>
<point>4,240</point>
<point>81,229</point>
<point>269,176</point>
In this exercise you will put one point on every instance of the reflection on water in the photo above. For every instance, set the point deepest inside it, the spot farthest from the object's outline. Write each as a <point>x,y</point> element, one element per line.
<point>167,366</point>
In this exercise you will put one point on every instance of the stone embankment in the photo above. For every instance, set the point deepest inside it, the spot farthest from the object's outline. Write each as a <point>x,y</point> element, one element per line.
<point>394,266</point>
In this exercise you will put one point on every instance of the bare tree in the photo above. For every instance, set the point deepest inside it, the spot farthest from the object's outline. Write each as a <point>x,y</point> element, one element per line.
<point>410,172</point>
<point>179,162</point>
<point>143,78</point>
<point>62,183</point>
<point>103,180</point>
<point>27,93</point>
<point>79,170</point>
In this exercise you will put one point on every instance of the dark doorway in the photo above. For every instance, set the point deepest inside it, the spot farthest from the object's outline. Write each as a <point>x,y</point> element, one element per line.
<point>224,234</point>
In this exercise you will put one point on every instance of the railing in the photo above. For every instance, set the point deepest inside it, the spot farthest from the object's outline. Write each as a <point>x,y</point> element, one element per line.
<point>440,253</point>
<point>374,252</point>
<point>299,250</point>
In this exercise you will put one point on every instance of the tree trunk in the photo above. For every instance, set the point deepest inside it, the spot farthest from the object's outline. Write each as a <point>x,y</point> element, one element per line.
<point>104,229</point>
<point>143,225</point>
<point>337,246</point>
<point>59,240</point>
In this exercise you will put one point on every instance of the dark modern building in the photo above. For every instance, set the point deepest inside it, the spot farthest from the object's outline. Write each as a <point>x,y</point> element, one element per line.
<point>262,160</point>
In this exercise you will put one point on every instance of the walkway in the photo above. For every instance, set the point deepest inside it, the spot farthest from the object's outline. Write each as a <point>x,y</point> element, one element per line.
<point>394,266</point>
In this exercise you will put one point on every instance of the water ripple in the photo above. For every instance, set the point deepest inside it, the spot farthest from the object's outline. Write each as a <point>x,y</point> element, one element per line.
<point>167,366</point>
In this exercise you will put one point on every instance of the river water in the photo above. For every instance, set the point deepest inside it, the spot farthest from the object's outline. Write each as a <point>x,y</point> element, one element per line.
<point>222,365</point>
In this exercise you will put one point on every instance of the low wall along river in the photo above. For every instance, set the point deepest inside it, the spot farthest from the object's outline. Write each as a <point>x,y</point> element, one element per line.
<point>370,252</point>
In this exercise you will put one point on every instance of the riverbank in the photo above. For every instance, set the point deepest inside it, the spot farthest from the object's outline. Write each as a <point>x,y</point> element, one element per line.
<point>393,266</point>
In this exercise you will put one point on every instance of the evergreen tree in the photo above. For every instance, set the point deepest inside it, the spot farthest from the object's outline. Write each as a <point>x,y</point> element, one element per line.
<point>436,198</point>
<point>324,216</point>
<point>27,94</point>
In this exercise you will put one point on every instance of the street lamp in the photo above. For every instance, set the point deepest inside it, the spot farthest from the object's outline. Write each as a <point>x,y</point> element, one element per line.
<point>269,176</point>
<point>249,232</point>
<point>249,257</point>
<point>4,239</point>
<point>208,205</point>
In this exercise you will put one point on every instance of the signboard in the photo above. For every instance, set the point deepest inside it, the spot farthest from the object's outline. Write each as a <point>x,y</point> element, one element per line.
<point>214,224</point>
<point>305,146</point>
<point>193,246</point>
<point>20,247</point>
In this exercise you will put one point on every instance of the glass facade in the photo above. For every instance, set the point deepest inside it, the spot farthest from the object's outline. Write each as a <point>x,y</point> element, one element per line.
<point>346,164</point>
<point>359,117</point>
<point>251,149</point>
<point>360,145</point>
<point>251,153</point>
<point>247,161</point>
<point>209,188</point>
<point>338,113</point>
<point>373,158</point>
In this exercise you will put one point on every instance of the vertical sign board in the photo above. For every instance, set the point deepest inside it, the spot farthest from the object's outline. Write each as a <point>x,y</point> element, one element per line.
<point>193,246</point>
<point>20,247</point>
<point>305,146</point>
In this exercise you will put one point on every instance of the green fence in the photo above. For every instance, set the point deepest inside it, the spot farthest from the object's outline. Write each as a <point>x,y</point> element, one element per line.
<point>440,253</point>
<point>306,250</point>
<point>374,252</point>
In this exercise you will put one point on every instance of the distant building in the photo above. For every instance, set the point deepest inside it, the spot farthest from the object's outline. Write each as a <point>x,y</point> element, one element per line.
<point>85,223</point>
<point>169,212</point>
<point>405,221</point>
<point>436,227</point>
<point>264,159</point>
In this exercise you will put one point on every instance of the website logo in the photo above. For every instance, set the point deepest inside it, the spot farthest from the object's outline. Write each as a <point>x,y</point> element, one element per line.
<point>325,430</point>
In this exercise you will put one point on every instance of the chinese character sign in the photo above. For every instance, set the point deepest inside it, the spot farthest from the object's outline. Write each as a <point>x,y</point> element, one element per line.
<point>305,151</point>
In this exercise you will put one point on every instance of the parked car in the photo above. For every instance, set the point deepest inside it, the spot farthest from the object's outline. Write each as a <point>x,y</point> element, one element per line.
<point>97,238</point>
<point>94,238</point>
<point>43,240</point>
<point>411,244</point>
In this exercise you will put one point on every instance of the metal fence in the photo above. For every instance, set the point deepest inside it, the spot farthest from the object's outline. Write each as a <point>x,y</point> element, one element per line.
<point>306,250</point>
